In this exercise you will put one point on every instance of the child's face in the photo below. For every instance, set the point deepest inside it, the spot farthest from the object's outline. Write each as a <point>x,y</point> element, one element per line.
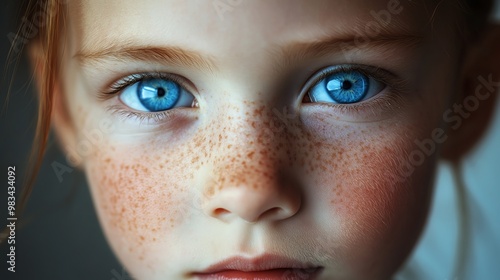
<point>265,161</point>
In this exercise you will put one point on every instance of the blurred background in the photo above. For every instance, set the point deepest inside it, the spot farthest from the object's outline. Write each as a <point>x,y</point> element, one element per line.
<point>60,237</point>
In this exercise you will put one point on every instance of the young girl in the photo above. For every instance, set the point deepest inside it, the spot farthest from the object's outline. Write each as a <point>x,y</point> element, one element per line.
<point>263,139</point>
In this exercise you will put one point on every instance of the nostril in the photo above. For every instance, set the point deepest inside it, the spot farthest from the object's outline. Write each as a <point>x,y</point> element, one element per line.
<point>220,211</point>
<point>275,211</point>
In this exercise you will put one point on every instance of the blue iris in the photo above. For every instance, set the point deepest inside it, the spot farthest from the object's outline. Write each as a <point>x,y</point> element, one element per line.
<point>346,87</point>
<point>158,94</point>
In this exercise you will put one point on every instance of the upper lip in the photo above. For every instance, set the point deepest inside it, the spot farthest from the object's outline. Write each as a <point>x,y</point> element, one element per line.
<point>261,263</point>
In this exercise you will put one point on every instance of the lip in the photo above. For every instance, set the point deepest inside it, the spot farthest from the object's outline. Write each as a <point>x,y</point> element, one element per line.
<point>264,267</point>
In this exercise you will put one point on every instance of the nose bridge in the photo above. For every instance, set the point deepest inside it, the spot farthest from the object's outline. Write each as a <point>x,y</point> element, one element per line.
<point>249,167</point>
<point>257,140</point>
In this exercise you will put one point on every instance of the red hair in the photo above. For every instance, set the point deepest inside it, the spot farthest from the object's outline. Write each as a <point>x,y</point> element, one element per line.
<point>47,39</point>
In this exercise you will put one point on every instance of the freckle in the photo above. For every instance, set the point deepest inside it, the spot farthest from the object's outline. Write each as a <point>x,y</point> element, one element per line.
<point>258,112</point>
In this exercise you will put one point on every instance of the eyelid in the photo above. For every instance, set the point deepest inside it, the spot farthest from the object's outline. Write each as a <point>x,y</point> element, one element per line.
<point>139,116</point>
<point>383,105</point>
<point>395,83</point>
<point>119,85</point>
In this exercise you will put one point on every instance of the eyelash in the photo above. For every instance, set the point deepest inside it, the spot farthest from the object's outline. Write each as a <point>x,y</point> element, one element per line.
<point>120,85</point>
<point>396,86</point>
<point>155,117</point>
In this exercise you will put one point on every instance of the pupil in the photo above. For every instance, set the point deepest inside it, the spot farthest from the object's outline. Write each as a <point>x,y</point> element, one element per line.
<point>346,85</point>
<point>161,92</point>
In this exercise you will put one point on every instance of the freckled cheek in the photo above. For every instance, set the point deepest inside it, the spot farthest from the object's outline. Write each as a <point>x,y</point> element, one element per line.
<point>137,197</point>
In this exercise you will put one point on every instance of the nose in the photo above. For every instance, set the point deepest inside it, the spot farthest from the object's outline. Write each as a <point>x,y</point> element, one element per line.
<point>252,179</point>
<point>270,202</point>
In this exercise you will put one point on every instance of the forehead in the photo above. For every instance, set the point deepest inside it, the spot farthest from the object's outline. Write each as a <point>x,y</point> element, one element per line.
<point>232,25</point>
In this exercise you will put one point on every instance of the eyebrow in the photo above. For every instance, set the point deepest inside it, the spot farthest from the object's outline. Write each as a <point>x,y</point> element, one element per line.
<point>334,44</point>
<point>166,54</point>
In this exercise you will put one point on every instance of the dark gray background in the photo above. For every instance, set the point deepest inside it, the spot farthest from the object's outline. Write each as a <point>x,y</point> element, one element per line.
<point>61,237</point>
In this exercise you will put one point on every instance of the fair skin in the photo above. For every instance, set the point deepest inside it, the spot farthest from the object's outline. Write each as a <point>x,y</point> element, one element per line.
<point>232,177</point>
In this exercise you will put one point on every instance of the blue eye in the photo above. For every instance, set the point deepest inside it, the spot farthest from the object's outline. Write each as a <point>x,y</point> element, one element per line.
<point>156,94</point>
<point>345,87</point>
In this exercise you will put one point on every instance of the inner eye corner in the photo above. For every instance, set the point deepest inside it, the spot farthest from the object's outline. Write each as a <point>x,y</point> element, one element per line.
<point>195,103</point>
<point>306,98</point>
